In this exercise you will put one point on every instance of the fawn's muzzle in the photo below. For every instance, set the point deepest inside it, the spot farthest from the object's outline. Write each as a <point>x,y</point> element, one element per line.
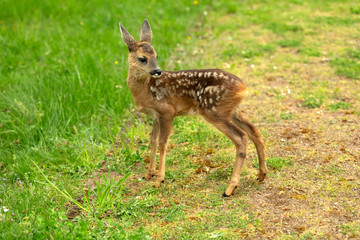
<point>156,73</point>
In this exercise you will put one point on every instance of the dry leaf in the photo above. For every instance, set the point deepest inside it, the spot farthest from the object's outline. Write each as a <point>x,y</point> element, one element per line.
<point>194,218</point>
<point>208,163</point>
<point>300,228</point>
<point>146,159</point>
<point>207,190</point>
<point>201,169</point>
<point>75,129</point>
<point>210,151</point>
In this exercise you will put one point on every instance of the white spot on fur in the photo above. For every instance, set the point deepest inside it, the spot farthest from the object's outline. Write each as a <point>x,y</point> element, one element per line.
<point>166,91</point>
<point>153,89</point>
<point>215,75</point>
<point>210,100</point>
<point>159,96</point>
<point>200,74</point>
<point>158,82</point>
<point>212,89</point>
<point>221,75</point>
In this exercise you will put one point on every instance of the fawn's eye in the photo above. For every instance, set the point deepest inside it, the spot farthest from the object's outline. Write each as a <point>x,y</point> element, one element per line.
<point>143,59</point>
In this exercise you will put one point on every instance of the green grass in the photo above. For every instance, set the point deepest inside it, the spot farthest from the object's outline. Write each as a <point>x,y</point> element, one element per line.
<point>310,51</point>
<point>63,96</point>
<point>337,21</point>
<point>354,53</point>
<point>347,67</point>
<point>65,107</point>
<point>289,43</point>
<point>277,163</point>
<point>340,105</point>
<point>286,116</point>
<point>250,50</point>
<point>313,101</point>
<point>351,229</point>
<point>280,28</point>
<point>355,10</point>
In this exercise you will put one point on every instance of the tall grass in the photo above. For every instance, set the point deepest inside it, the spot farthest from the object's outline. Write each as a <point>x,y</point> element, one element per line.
<point>64,65</point>
<point>63,92</point>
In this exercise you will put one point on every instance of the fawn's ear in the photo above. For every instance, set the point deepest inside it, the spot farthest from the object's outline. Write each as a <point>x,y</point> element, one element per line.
<point>145,32</point>
<point>127,38</point>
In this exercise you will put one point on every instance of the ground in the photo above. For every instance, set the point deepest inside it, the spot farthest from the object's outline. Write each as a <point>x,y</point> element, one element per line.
<point>307,115</point>
<point>301,63</point>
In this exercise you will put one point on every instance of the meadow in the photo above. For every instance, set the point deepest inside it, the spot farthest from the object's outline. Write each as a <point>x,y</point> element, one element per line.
<point>74,149</point>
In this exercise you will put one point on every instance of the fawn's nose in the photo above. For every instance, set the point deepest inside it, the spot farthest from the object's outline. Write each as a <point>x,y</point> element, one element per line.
<point>156,72</point>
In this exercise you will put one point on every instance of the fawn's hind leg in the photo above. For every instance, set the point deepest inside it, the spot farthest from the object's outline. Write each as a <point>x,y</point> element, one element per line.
<point>255,136</point>
<point>239,138</point>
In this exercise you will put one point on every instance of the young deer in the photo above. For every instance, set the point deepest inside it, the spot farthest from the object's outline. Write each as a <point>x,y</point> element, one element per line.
<point>212,93</point>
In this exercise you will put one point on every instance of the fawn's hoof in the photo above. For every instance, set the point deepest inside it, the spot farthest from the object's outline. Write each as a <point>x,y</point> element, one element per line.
<point>261,177</point>
<point>229,191</point>
<point>149,175</point>
<point>225,195</point>
<point>158,183</point>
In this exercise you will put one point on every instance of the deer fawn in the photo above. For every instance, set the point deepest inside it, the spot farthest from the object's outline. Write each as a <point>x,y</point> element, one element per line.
<point>212,93</point>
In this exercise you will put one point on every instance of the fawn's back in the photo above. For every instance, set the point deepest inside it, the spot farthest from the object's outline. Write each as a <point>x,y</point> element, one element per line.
<point>204,91</point>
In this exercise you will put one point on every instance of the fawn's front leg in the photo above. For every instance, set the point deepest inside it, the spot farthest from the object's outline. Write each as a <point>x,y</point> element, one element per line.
<point>165,129</point>
<point>153,145</point>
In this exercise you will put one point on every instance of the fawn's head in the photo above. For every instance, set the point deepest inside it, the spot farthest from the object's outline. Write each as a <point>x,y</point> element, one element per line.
<point>142,56</point>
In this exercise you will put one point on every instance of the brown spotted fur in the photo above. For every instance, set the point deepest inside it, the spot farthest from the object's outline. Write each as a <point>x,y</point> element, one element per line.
<point>212,93</point>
